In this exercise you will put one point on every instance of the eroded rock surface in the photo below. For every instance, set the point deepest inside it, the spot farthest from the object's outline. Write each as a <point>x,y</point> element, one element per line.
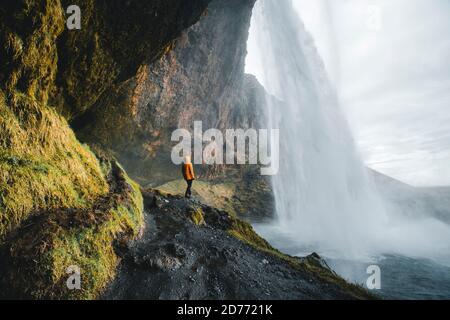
<point>200,78</point>
<point>219,258</point>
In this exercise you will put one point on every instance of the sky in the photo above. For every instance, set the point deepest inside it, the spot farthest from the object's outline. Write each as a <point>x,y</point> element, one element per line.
<point>389,61</point>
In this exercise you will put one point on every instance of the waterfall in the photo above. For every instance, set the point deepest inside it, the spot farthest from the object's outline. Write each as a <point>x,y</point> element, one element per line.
<point>325,199</point>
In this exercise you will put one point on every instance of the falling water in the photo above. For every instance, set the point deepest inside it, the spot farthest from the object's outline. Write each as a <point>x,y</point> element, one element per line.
<point>325,200</point>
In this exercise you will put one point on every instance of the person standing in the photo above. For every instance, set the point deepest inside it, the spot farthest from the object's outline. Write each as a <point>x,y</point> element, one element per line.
<point>188,174</point>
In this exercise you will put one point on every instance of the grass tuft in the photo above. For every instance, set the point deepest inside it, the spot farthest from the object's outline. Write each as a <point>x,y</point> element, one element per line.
<point>244,232</point>
<point>38,254</point>
<point>196,214</point>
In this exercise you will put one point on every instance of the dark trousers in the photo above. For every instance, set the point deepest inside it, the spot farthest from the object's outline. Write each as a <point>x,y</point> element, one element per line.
<point>188,190</point>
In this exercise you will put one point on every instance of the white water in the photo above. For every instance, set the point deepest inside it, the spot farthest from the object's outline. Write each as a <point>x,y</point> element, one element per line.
<point>325,201</point>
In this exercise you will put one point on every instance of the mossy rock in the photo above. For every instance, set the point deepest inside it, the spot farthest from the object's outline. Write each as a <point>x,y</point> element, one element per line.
<point>35,257</point>
<point>218,195</point>
<point>56,205</point>
<point>111,46</point>
<point>244,232</point>
<point>197,217</point>
<point>42,164</point>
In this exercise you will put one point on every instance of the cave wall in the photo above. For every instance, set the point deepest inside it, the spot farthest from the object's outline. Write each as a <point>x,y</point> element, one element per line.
<point>42,165</point>
<point>117,36</point>
<point>49,76</point>
<point>200,78</point>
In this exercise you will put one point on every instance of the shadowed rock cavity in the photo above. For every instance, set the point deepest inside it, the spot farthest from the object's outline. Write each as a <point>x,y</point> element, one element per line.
<point>200,78</point>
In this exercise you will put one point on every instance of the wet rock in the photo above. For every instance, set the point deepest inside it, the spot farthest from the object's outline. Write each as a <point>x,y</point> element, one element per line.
<point>317,261</point>
<point>201,77</point>
<point>176,259</point>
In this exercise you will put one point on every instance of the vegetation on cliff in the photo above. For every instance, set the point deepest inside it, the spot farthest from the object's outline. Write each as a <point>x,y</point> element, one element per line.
<point>201,77</point>
<point>312,264</point>
<point>60,205</point>
<point>194,251</point>
<point>35,257</point>
<point>116,37</point>
<point>241,193</point>
<point>43,166</point>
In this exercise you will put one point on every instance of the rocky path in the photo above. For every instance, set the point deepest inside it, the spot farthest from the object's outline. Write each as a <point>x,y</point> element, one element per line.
<point>187,252</point>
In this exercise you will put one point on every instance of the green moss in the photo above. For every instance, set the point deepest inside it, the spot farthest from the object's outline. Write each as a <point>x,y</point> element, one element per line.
<point>109,49</point>
<point>162,193</point>
<point>88,66</point>
<point>92,250</point>
<point>56,207</point>
<point>217,195</point>
<point>197,217</point>
<point>30,45</point>
<point>244,232</point>
<point>42,165</point>
<point>84,238</point>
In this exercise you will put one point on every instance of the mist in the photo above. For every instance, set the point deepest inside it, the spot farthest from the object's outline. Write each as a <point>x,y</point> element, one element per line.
<point>388,61</point>
<point>325,199</point>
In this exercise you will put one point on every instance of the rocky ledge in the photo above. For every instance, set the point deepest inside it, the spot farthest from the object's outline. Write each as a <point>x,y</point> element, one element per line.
<point>193,251</point>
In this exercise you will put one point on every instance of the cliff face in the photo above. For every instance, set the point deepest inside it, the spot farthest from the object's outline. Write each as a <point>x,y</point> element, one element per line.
<point>200,79</point>
<point>45,65</point>
<point>49,75</point>
<point>117,37</point>
<point>42,164</point>
<point>124,81</point>
<point>211,255</point>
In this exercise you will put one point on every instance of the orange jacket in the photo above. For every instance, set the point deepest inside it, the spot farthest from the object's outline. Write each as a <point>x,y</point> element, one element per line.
<point>188,171</point>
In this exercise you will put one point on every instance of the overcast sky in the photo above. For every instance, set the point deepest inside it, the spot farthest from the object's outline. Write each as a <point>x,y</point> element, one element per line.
<point>390,63</point>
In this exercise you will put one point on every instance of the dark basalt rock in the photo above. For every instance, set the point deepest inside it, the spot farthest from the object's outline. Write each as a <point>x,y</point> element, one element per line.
<point>109,82</point>
<point>47,71</point>
<point>178,259</point>
<point>200,78</point>
<point>116,37</point>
